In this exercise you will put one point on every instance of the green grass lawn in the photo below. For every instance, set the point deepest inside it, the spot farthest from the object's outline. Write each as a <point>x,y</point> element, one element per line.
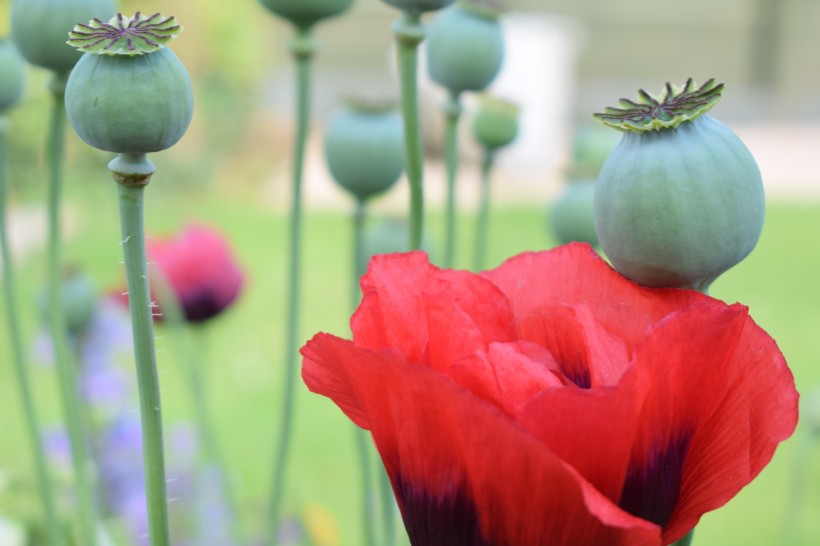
<point>780,282</point>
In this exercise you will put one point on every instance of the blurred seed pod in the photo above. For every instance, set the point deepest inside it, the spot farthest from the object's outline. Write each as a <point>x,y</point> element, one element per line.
<point>572,216</point>
<point>80,299</point>
<point>419,6</point>
<point>386,237</point>
<point>496,122</point>
<point>364,148</point>
<point>465,47</point>
<point>12,75</point>
<point>40,28</point>
<point>305,13</point>
<point>593,144</point>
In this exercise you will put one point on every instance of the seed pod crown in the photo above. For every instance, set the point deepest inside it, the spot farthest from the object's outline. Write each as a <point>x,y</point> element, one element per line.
<point>668,110</point>
<point>123,35</point>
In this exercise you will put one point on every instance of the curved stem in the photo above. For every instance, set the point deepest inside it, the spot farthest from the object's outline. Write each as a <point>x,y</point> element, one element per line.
<point>44,482</point>
<point>302,48</point>
<point>195,363</point>
<point>409,34</point>
<point>452,112</point>
<point>56,318</point>
<point>142,327</point>
<point>360,436</point>
<point>483,212</point>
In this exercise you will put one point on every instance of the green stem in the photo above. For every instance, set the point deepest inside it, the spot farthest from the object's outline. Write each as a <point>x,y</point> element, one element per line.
<point>56,314</point>
<point>452,113</point>
<point>360,436</point>
<point>483,212</point>
<point>409,34</point>
<point>195,363</point>
<point>302,48</point>
<point>132,173</point>
<point>44,482</point>
<point>687,540</point>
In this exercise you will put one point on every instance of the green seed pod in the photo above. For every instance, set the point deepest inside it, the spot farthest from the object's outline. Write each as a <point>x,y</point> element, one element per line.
<point>496,122</point>
<point>364,147</point>
<point>593,144</point>
<point>386,237</point>
<point>465,47</point>
<point>680,199</point>
<point>305,13</point>
<point>39,28</point>
<point>417,7</point>
<point>572,217</point>
<point>128,93</point>
<point>12,75</point>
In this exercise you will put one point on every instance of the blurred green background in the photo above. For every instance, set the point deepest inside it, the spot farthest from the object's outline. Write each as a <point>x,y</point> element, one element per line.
<point>230,171</point>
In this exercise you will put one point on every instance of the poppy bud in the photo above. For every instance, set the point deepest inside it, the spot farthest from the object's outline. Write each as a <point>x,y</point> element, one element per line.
<point>364,147</point>
<point>680,200</point>
<point>12,75</point>
<point>200,269</point>
<point>127,69</point>
<point>39,28</point>
<point>305,13</point>
<point>496,123</point>
<point>465,47</point>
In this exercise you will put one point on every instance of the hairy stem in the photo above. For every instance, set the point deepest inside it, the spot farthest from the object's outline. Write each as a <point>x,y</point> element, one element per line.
<point>64,363</point>
<point>195,363</point>
<point>142,326</point>
<point>409,34</point>
<point>44,481</point>
<point>482,221</point>
<point>302,48</point>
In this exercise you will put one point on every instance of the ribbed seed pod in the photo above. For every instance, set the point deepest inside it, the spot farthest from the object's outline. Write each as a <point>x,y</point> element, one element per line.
<point>150,85</point>
<point>305,13</point>
<point>364,147</point>
<point>680,199</point>
<point>40,28</point>
<point>465,47</point>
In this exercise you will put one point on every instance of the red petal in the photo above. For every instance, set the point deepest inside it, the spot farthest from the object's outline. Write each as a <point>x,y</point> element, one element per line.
<point>431,315</point>
<point>586,353</point>
<point>574,274</point>
<point>730,394</point>
<point>463,470</point>
<point>591,429</point>
<point>509,375</point>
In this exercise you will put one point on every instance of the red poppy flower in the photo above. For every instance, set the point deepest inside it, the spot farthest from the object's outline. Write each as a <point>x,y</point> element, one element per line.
<point>552,401</point>
<point>199,266</point>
